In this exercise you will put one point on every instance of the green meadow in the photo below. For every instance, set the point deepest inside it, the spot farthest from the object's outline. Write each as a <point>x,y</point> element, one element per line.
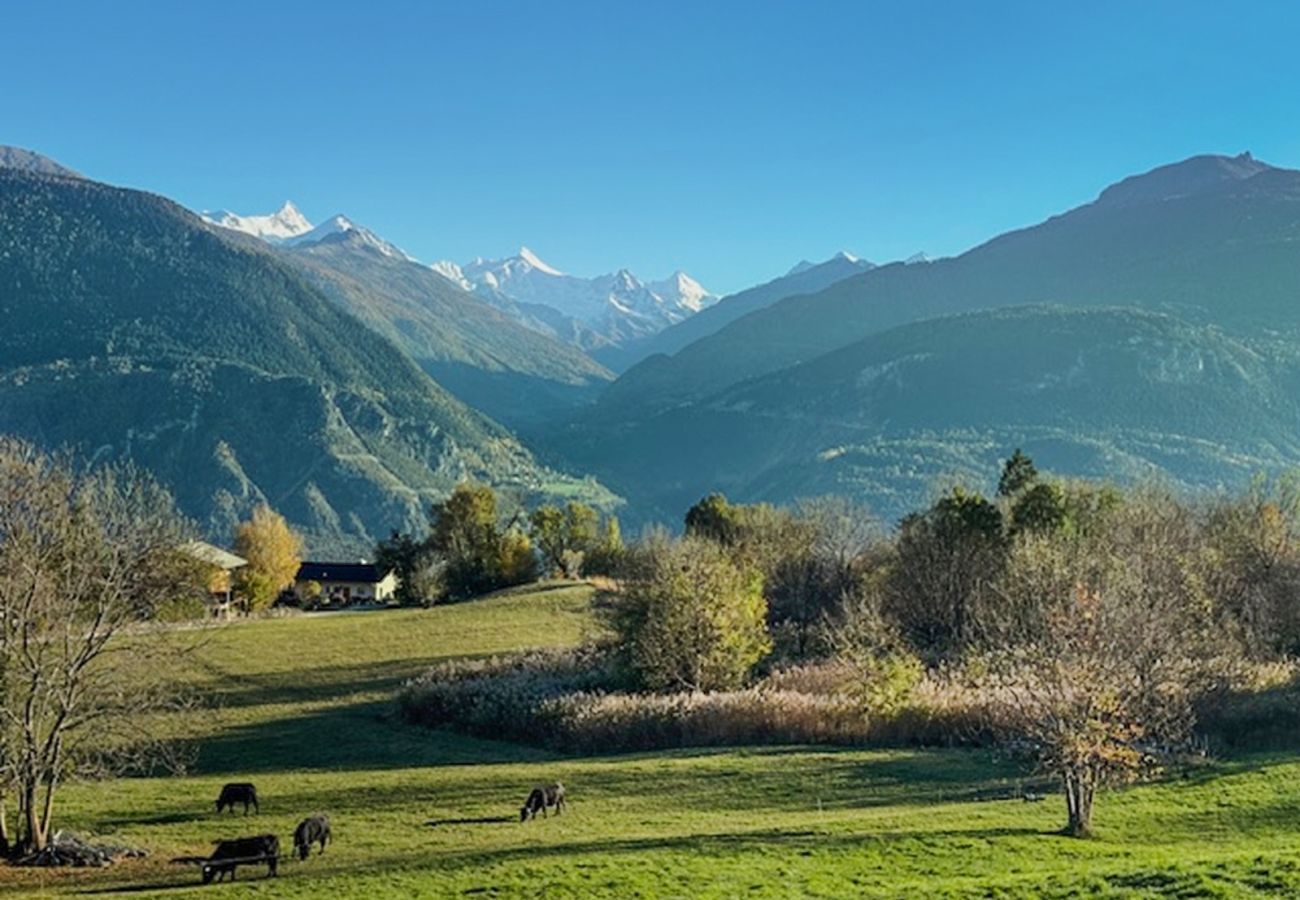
<point>303,707</point>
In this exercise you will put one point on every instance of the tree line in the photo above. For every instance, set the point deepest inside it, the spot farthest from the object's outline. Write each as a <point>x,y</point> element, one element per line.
<point>1089,621</point>
<point>473,547</point>
<point>1096,618</point>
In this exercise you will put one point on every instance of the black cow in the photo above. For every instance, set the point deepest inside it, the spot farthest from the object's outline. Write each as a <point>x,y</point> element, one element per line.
<point>265,848</point>
<point>238,792</point>
<point>539,798</point>
<point>311,830</point>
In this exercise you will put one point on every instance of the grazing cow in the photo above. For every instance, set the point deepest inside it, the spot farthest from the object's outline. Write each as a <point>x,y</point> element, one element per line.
<point>539,798</point>
<point>265,848</point>
<point>311,830</point>
<point>238,792</point>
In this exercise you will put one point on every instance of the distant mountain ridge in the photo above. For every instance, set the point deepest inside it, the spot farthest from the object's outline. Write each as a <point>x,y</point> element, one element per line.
<point>804,278</point>
<point>1149,333</point>
<point>1208,239</point>
<point>591,312</point>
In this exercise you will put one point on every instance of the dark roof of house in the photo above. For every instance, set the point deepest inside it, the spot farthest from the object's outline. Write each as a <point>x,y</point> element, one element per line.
<point>337,571</point>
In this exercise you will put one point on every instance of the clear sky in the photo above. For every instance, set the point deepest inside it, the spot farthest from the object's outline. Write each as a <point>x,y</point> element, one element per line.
<point>726,139</point>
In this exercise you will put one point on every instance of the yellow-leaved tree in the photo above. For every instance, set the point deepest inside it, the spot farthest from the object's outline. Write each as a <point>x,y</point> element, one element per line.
<point>274,553</point>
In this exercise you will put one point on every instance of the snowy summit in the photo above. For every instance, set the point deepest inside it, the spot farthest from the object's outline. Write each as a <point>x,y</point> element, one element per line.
<point>603,310</point>
<point>276,228</point>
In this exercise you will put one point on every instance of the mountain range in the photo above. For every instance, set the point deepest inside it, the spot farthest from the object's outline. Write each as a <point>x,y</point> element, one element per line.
<point>804,278</point>
<point>594,313</point>
<point>136,330</point>
<point>1150,332</point>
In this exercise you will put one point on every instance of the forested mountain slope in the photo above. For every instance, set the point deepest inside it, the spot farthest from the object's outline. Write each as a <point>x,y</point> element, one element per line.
<point>134,330</point>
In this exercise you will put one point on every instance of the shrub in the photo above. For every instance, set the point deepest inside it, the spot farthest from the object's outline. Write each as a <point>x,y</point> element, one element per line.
<point>574,701</point>
<point>500,696</point>
<point>690,618</point>
<point>599,722</point>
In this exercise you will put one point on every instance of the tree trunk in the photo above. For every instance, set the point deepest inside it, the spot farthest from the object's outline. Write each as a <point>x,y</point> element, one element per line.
<point>1079,792</point>
<point>47,813</point>
<point>5,845</point>
<point>33,835</point>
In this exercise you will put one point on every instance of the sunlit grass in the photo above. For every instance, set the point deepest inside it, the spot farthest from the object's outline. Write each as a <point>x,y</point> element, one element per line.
<point>304,711</point>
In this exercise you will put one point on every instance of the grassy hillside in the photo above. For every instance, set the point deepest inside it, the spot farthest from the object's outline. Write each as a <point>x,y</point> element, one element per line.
<point>133,330</point>
<point>513,373</point>
<point>430,814</point>
<point>1105,393</point>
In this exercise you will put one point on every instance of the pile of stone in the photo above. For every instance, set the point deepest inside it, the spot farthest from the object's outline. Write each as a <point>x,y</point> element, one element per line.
<point>66,849</point>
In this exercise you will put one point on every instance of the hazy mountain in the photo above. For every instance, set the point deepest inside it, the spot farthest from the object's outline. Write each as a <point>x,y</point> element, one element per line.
<point>30,161</point>
<point>804,278</point>
<point>878,385</point>
<point>509,371</point>
<point>1107,393</point>
<point>591,312</point>
<point>134,330</point>
<point>1210,239</point>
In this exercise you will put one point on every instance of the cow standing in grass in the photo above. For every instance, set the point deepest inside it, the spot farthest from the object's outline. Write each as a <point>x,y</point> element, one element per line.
<point>539,798</point>
<point>311,830</point>
<point>238,792</point>
<point>228,855</point>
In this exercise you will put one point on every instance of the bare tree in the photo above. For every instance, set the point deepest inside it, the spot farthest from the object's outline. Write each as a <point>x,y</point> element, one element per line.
<point>85,556</point>
<point>1100,647</point>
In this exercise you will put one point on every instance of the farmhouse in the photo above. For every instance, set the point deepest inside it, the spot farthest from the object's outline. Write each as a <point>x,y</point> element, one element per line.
<point>221,566</point>
<point>338,584</point>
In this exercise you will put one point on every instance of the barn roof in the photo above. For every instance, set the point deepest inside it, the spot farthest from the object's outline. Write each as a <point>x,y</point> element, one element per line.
<point>213,555</point>
<point>367,573</point>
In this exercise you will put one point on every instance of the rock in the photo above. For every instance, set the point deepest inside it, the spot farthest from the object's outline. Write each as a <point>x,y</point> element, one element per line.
<point>67,849</point>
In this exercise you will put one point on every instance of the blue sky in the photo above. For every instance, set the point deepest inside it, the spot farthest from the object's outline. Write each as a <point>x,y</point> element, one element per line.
<point>727,139</point>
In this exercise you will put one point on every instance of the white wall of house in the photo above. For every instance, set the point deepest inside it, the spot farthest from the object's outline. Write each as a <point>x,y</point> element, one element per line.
<point>336,592</point>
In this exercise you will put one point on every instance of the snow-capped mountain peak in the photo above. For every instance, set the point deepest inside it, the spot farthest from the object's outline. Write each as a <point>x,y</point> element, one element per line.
<point>288,227</point>
<point>535,261</point>
<point>592,311</point>
<point>453,273</point>
<point>684,291</point>
<point>340,227</point>
<point>277,227</point>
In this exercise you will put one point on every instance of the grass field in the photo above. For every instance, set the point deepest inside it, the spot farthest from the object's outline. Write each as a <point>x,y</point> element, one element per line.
<point>304,711</point>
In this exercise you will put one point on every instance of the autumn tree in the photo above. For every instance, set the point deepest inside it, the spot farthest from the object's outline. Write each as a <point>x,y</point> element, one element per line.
<point>605,557</point>
<point>689,617</point>
<point>477,551</point>
<point>1101,646</point>
<point>274,554</point>
<point>85,555</point>
<point>565,536</point>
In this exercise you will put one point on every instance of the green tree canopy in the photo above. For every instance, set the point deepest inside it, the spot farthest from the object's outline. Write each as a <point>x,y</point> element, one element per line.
<point>1018,473</point>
